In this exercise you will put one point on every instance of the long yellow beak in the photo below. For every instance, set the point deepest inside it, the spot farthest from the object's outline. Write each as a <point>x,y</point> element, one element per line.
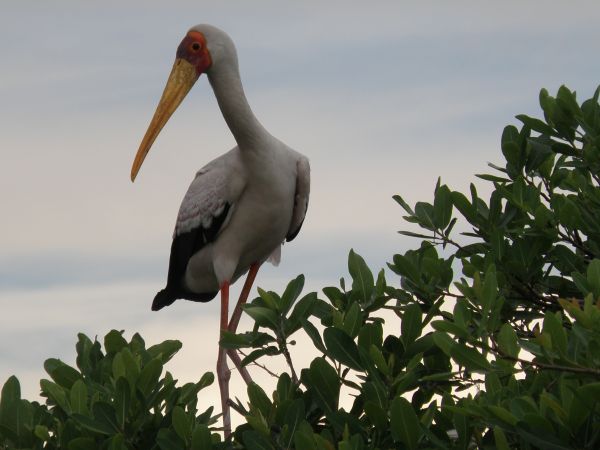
<point>182,78</point>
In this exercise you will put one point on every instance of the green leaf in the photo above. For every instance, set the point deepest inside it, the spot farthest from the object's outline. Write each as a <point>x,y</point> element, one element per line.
<point>593,277</point>
<point>201,438</point>
<point>206,380</point>
<point>149,376</point>
<point>370,334</point>
<point>405,425</point>
<point>323,382</point>
<point>11,393</point>
<point>114,341</point>
<point>314,335</point>
<point>380,284</point>
<point>503,414</point>
<point>181,423</point>
<point>61,373</point>
<point>248,339</point>
<point>404,205</point>
<point>259,353</point>
<point>362,277</point>
<point>255,441</point>
<point>55,393</point>
<point>302,311</point>
<point>16,421</point>
<point>442,207</point>
<point>547,442</point>
<point>258,399</point>
<point>122,401</point>
<point>353,320</point>
<point>79,397</point>
<point>270,299</point>
<point>304,439</point>
<point>464,206</point>
<point>500,439</point>
<point>93,424</point>
<point>412,324</point>
<point>536,124</point>
<point>343,348</point>
<point>424,215</point>
<point>118,367</point>
<point>291,293</point>
<point>285,388</point>
<point>377,416</point>
<point>492,178</point>
<point>554,327</point>
<point>166,350</point>
<point>469,358</point>
<point>443,341</point>
<point>132,365</point>
<point>379,360</point>
<point>540,151</point>
<point>117,442</point>
<point>450,327</point>
<point>41,431</point>
<point>507,341</point>
<point>488,296</point>
<point>167,440</point>
<point>104,413</point>
<point>263,317</point>
<point>82,443</point>
<point>294,414</point>
<point>567,100</point>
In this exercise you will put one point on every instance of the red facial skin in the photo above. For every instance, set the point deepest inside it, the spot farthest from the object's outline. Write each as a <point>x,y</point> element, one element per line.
<point>194,50</point>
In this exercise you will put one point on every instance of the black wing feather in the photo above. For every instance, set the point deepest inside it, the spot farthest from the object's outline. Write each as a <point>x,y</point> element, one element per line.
<point>184,246</point>
<point>294,233</point>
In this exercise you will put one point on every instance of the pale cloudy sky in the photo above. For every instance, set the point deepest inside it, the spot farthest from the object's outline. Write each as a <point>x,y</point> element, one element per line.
<point>383,97</point>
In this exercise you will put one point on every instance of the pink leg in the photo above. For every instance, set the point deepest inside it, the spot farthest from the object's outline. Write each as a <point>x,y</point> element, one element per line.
<point>223,372</point>
<point>237,312</point>
<point>235,320</point>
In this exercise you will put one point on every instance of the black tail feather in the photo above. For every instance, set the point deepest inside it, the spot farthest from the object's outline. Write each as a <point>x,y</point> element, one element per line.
<point>167,296</point>
<point>163,298</point>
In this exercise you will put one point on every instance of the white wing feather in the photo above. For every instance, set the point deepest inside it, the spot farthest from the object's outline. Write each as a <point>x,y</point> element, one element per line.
<point>215,185</point>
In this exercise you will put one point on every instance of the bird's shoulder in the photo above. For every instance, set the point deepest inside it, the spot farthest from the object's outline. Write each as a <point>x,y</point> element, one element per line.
<point>215,188</point>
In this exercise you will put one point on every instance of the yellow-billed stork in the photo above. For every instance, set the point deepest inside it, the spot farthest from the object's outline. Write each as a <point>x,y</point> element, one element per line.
<point>240,207</point>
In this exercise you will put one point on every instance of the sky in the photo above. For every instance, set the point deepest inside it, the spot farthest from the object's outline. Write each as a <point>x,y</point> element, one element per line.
<point>382,97</point>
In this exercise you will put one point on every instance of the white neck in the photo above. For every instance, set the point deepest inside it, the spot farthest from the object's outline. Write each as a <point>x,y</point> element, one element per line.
<point>227,86</point>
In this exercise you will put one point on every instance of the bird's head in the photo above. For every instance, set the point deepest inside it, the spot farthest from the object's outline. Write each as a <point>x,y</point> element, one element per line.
<point>196,54</point>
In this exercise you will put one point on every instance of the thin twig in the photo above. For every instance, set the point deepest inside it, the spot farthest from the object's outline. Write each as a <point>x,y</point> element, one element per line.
<point>541,365</point>
<point>274,375</point>
<point>288,360</point>
<point>574,243</point>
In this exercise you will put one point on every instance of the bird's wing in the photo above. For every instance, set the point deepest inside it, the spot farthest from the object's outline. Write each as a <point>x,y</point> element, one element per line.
<point>300,197</point>
<point>204,212</point>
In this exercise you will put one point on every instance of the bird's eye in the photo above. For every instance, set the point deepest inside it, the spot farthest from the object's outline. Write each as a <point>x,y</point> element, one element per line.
<point>196,46</point>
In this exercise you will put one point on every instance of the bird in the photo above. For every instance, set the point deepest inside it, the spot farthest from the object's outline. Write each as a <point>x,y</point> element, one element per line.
<point>241,207</point>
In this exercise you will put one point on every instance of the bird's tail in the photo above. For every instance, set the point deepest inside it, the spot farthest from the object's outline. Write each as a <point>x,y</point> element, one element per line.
<point>168,295</point>
<point>163,298</point>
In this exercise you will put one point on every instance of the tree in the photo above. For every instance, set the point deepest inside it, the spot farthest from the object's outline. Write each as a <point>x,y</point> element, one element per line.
<point>498,345</point>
